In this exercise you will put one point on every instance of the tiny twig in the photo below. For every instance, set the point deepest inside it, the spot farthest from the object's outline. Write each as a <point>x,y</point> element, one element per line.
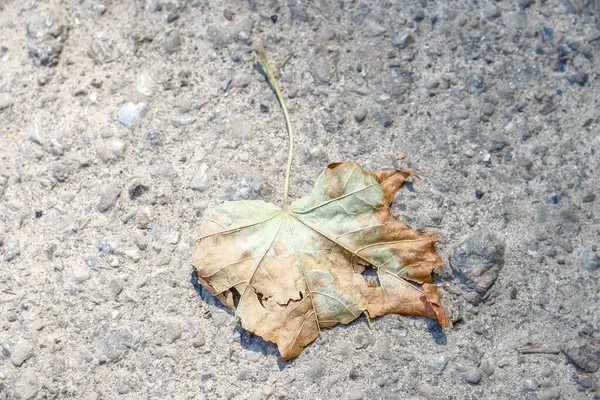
<point>286,61</point>
<point>538,350</point>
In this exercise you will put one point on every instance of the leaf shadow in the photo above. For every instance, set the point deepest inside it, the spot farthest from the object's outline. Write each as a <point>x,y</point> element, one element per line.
<point>206,296</point>
<point>248,340</point>
<point>260,69</point>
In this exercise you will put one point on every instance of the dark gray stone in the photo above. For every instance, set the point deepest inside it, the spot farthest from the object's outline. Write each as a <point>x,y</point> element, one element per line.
<point>383,117</point>
<point>478,260</point>
<point>579,78</point>
<point>47,33</point>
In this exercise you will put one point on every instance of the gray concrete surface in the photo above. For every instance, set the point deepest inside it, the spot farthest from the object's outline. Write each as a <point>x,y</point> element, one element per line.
<point>121,121</point>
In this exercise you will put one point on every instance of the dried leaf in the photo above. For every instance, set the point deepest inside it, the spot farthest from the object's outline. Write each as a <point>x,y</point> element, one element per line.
<point>290,272</point>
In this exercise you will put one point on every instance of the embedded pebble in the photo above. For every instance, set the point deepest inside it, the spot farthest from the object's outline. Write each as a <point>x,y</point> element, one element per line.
<point>478,259</point>
<point>80,273</point>
<point>437,364</point>
<point>131,114</point>
<point>589,260</point>
<point>47,33</point>
<point>5,102</point>
<point>27,386</point>
<point>108,197</point>
<point>172,237</point>
<point>403,40</point>
<point>199,181</point>
<point>583,353</point>
<point>472,377</point>
<point>21,352</point>
<point>173,332</point>
<point>145,85</point>
<point>361,114</point>
<point>241,80</point>
<point>199,340</point>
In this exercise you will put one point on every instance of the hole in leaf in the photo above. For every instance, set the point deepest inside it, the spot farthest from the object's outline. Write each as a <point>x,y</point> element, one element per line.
<point>370,276</point>
<point>235,294</point>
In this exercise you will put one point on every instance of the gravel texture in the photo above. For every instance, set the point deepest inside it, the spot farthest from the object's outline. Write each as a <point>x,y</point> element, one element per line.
<point>122,121</point>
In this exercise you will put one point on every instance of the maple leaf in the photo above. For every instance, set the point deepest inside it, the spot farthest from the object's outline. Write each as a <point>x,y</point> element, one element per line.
<point>289,272</point>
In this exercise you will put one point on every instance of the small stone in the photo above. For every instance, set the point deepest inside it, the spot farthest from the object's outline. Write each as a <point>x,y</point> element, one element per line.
<point>26,386</point>
<point>247,185</point>
<point>136,188</point>
<point>525,3</point>
<point>419,15</point>
<point>384,117</point>
<point>11,316</point>
<point>131,114</point>
<point>142,221</point>
<point>488,109</point>
<point>173,332</point>
<point>92,261</point>
<point>123,385</point>
<point>115,287</point>
<point>478,260</point>
<point>589,260</point>
<point>315,370</point>
<point>199,181</point>
<point>172,237</point>
<point>172,42</point>
<point>172,17</point>
<point>360,114</point>
<point>321,70</point>
<point>5,102</point>
<point>140,241</point>
<point>117,147</point>
<point>584,353</point>
<point>80,273</point>
<point>99,9</point>
<point>115,344</point>
<point>356,394</point>
<point>108,197</point>
<point>145,85</point>
<point>492,12</point>
<point>403,40</point>
<point>530,385</point>
<point>579,78</point>
<point>21,352</point>
<point>199,340</point>
<point>487,367</point>
<point>241,80</point>
<point>152,138</point>
<point>47,33</point>
<point>373,29</point>
<point>550,394</point>
<point>241,37</point>
<point>589,198</point>
<point>472,377</point>
<point>437,364</point>
<point>519,20</point>
<point>10,253</point>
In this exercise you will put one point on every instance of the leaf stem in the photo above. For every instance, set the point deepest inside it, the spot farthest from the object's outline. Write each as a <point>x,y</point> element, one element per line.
<point>263,58</point>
